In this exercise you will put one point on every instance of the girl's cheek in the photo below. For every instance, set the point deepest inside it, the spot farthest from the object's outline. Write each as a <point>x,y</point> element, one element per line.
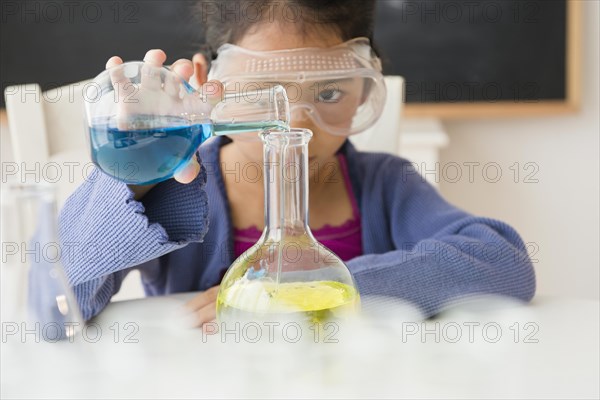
<point>325,145</point>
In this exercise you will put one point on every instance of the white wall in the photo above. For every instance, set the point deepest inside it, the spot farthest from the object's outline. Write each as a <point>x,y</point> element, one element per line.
<point>560,212</point>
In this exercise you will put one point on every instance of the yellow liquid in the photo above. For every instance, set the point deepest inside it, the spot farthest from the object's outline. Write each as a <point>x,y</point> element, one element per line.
<point>315,302</point>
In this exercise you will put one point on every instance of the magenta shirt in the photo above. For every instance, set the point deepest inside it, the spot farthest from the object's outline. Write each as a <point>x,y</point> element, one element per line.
<point>344,240</point>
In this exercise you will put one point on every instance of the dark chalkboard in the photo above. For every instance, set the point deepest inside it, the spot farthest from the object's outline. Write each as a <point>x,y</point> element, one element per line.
<point>57,42</point>
<point>459,53</point>
<point>454,55</point>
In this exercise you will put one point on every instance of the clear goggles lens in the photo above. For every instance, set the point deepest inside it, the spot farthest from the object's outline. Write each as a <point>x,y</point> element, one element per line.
<point>340,88</point>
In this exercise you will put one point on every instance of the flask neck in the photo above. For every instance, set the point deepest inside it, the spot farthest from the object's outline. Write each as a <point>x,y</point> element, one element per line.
<point>251,111</point>
<point>286,184</point>
<point>34,210</point>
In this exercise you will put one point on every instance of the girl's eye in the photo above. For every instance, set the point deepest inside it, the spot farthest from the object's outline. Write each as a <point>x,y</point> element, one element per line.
<point>330,96</point>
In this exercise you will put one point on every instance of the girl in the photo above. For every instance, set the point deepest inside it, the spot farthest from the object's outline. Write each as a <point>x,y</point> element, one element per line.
<point>397,235</point>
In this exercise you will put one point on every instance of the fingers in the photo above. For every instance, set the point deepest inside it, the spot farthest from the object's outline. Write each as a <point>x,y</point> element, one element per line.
<point>183,69</point>
<point>210,327</point>
<point>117,76</point>
<point>153,60</point>
<point>202,299</point>
<point>204,308</point>
<point>188,173</point>
<point>200,68</point>
<point>123,89</point>
<point>213,90</point>
<point>155,57</point>
<point>121,83</point>
<point>206,314</point>
<point>211,94</point>
<point>113,61</point>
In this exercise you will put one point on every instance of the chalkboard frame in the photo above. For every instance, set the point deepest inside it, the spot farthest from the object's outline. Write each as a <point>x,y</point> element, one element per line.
<point>570,104</point>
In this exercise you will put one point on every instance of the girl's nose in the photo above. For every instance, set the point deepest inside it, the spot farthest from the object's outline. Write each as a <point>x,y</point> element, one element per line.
<point>300,116</point>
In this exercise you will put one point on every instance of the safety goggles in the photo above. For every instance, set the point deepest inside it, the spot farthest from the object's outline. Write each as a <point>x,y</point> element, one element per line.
<point>340,88</point>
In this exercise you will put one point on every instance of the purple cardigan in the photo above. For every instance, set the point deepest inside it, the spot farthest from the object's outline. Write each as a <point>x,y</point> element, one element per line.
<point>416,246</point>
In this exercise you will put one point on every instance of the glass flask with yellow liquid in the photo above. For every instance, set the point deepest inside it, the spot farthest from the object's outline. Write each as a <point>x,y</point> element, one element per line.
<point>287,275</point>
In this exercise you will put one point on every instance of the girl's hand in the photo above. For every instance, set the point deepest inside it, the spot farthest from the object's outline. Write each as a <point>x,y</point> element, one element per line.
<point>203,307</point>
<point>148,97</point>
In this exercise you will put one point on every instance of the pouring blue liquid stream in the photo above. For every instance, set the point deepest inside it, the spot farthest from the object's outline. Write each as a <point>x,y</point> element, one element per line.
<point>147,156</point>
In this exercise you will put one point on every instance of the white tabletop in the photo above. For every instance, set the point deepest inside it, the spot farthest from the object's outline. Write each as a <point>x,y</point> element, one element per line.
<point>547,349</point>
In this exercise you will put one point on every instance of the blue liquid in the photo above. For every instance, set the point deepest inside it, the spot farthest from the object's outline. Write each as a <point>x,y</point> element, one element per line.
<point>147,155</point>
<point>158,148</point>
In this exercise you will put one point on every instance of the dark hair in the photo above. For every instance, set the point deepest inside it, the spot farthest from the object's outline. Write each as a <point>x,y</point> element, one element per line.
<point>229,20</point>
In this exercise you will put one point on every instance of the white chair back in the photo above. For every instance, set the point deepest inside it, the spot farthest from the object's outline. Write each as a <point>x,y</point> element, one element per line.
<point>384,136</point>
<point>47,132</point>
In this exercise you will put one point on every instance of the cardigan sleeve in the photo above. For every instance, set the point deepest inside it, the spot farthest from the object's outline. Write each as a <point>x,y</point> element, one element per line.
<point>104,232</point>
<point>441,253</point>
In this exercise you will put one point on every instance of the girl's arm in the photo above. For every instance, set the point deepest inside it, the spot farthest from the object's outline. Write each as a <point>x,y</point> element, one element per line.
<point>442,253</point>
<point>104,232</point>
